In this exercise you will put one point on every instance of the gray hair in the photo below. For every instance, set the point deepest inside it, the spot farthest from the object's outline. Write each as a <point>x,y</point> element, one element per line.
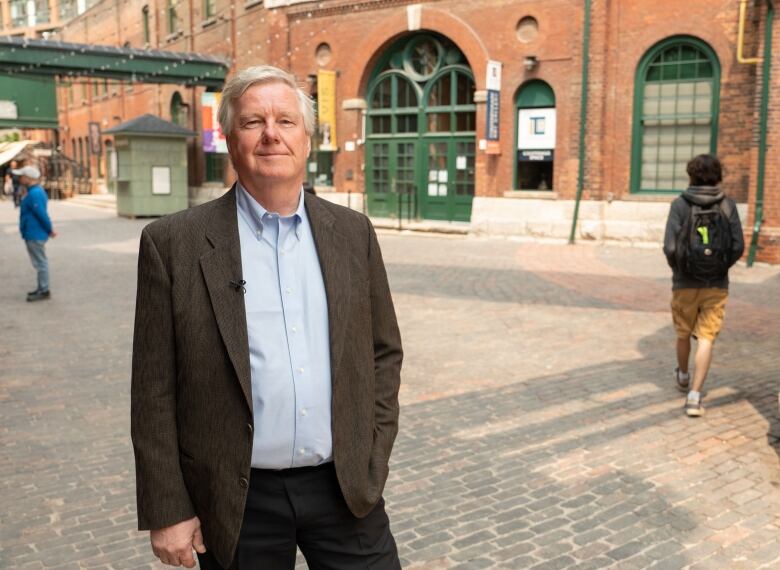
<point>246,78</point>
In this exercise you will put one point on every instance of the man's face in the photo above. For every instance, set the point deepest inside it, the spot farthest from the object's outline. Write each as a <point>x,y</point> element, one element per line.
<point>268,141</point>
<point>25,181</point>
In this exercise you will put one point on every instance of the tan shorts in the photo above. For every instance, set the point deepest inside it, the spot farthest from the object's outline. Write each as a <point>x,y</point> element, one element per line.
<point>699,312</point>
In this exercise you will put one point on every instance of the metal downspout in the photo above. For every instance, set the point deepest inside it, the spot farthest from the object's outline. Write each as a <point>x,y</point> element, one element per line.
<point>583,119</point>
<point>763,119</point>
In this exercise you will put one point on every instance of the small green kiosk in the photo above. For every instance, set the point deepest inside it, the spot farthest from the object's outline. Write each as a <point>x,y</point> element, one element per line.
<point>150,177</point>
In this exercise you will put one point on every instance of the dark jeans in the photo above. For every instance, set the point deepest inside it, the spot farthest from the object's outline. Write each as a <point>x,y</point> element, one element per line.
<point>305,507</point>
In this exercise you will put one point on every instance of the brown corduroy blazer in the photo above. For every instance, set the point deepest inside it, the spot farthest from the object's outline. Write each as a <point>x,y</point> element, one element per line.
<point>191,411</point>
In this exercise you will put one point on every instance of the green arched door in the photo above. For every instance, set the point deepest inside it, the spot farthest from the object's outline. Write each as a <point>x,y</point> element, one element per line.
<point>392,151</point>
<point>421,132</point>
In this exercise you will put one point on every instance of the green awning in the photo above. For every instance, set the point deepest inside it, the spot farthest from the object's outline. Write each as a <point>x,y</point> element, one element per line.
<point>22,56</point>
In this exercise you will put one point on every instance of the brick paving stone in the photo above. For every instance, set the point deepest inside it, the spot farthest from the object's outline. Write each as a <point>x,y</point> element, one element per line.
<point>539,424</point>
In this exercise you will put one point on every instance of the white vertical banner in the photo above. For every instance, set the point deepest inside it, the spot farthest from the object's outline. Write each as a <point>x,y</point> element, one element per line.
<point>493,111</point>
<point>493,80</point>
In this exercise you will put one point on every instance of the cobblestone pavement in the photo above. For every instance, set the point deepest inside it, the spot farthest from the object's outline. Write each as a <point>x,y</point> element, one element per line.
<point>540,427</point>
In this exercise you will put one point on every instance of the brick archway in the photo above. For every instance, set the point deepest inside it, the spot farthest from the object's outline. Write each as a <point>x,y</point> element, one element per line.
<point>383,35</point>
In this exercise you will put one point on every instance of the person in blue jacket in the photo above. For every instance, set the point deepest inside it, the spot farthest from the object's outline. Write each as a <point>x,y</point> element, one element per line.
<point>36,228</point>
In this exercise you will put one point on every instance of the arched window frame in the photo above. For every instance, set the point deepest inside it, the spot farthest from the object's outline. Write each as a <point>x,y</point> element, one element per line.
<point>639,88</point>
<point>453,108</point>
<point>395,77</point>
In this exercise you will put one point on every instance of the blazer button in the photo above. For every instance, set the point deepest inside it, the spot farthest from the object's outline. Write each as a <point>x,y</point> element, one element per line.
<point>243,482</point>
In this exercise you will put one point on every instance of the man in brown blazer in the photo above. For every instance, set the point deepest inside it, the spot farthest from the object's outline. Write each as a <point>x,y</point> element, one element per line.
<point>266,361</point>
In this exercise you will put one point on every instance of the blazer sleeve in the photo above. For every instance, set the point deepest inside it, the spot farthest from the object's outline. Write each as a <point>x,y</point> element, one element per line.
<point>161,493</point>
<point>388,354</point>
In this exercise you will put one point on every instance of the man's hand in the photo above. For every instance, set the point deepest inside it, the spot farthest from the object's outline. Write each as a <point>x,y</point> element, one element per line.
<point>173,544</point>
<point>52,234</point>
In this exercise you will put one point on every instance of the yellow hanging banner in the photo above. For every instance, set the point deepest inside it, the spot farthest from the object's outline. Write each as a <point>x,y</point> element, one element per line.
<point>326,108</point>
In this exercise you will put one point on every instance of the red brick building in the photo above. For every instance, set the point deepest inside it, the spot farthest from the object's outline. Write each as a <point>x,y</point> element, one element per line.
<point>415,112</point>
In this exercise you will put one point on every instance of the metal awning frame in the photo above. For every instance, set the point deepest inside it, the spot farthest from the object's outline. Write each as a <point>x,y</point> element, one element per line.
<point>24,56</point>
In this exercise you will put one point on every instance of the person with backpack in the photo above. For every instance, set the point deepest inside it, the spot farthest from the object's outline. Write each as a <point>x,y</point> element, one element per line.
<point>703,240</point>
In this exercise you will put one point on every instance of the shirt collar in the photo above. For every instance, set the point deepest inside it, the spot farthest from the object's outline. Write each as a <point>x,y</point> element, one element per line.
<point>254,214</point>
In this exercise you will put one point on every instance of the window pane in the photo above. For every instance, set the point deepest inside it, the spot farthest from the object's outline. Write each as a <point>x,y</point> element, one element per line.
<point>685,105</point>
<point>379,166</point>
<point>688,53</point>
<point>439,122</point>
<point>667,106</point>
<point>654,73</point>
<point>669,72</point>
<point>704,69</point>
<point>687,71</point>
<point>406,95</point>
<point>405,168</point>
<point>381,98</point>
<point>465,86</point>
<point>406,123</point>
<point>441,93</point>
<point>686,89</point>
<point>380,124</point>
<point>465,121</point>
<point>464,177</point>
<point>672,54</point>
<point>437,156</point>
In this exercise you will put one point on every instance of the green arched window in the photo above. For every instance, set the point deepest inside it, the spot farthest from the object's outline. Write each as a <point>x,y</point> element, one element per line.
<point>675,113</point>
<point>450,103</point>
<point>393,105</point>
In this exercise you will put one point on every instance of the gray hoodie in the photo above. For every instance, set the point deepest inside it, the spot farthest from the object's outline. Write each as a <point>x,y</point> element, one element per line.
<point>678,213</point>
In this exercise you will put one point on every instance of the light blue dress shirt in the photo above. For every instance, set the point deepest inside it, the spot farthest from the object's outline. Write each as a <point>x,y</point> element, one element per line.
<point>289,342</point>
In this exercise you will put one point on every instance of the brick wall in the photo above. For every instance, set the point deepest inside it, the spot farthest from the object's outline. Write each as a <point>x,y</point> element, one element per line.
<point>359,32</point>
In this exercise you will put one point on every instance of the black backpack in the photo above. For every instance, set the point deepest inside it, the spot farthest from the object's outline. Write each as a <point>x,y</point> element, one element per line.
<point>704,243</point>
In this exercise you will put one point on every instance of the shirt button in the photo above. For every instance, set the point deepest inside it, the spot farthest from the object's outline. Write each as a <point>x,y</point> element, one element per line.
<point>287,290</point>
<point>301,451</point>
<point>295,329</point>
<point>304,412</point>
<point>243,482</point>
<point>300,371</point>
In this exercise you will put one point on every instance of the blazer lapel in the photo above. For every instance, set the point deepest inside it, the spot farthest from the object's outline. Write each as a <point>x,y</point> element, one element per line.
<point>220,266</point>
<point>333,254</point>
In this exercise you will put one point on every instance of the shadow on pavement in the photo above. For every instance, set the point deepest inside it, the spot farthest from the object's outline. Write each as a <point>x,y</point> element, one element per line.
<point>581,469</point>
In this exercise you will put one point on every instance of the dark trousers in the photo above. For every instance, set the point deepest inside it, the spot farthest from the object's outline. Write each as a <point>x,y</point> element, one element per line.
<point>305,507</point>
